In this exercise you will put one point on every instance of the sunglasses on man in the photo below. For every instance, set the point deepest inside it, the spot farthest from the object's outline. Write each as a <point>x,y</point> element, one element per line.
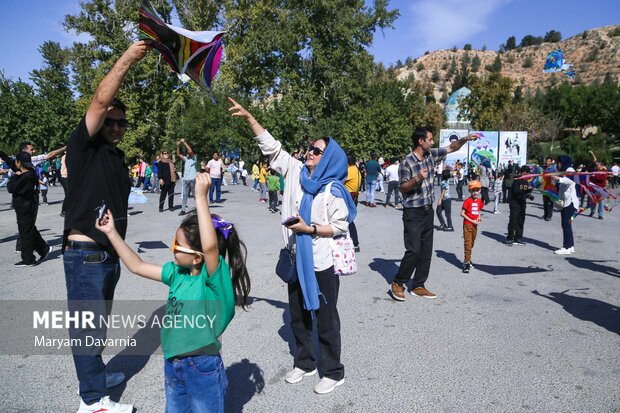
<point>315,151</point>
<point>177,248</point>
<point>109,123</point>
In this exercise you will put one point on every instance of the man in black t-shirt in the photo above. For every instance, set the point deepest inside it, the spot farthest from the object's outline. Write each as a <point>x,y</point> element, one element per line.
<point>98,180</point>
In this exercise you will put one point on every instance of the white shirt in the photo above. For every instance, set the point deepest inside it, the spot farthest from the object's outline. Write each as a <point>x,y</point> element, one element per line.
<point>391,172</point>
<point>567,191</point>
<point>615,170</point>
<point>215,168</point>
<point>335,216</point>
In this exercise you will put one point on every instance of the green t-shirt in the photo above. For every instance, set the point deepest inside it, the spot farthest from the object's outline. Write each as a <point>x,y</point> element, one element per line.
<point>198,310</point>
<point>273,183</point>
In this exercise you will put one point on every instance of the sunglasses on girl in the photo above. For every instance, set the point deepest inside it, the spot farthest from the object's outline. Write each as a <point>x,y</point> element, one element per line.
<point>177,248</point>
<point>315,151</point>
<point>122,123</point>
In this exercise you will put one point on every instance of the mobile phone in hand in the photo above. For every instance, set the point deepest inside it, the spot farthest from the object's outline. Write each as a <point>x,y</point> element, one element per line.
<point>290,221</point>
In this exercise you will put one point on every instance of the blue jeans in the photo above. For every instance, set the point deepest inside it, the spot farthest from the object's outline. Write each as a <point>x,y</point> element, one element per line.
<point>370,192</point>
<point>195,384</point>
<point>216,185</point>
<point>92,275</point>
<point>255,184</point>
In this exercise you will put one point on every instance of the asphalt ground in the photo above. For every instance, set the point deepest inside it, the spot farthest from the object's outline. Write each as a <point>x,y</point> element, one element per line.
<point>526,330</point>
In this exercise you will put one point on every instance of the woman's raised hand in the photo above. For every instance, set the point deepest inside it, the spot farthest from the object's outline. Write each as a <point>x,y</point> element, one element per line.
<point>238,110</point>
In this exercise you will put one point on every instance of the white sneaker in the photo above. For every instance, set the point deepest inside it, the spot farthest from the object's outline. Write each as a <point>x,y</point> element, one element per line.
<point>111,380</point>
<point>327,385</point>
<point>563,251</point>
<point>297,374</point>
<point>105,405</point>
<point>497,213</point>
<point>572,250</point>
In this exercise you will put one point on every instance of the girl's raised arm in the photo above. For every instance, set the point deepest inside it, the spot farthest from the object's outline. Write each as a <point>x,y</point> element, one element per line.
<point>131,260</point>
<point>208,237</point>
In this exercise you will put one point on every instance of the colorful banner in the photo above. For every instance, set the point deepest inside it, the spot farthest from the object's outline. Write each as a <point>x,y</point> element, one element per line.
<point>485,147</point>
<point>446,137</point>
<point>513,147</point>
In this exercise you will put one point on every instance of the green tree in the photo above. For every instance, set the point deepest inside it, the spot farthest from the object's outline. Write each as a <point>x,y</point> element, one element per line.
<point>467,46</point>
<point>528,62</point>
<point>511,43</point>
<point>530,40</point>
<point>496,66</point>
<point>489,98</point>
<point>552,36</point>
<point>475,64</point>
<point>57,107</point>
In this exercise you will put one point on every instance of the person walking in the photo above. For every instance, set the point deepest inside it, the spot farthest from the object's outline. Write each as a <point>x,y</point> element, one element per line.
<point>255,175</point>
<point>373,170</point>
<point>188,179</point>
<point>167,180</point>
<point>416,184</point>
<point>548,202</point>
<point>99,172</point>
<point>485,172</point>
<point>321,215</point>
<point>391,174</point>
<point>444,204</point>
<point>155,187</point>
<point>214,168</point>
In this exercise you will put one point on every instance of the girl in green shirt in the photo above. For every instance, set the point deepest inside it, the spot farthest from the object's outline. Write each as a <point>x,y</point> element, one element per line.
<point>201,301</point>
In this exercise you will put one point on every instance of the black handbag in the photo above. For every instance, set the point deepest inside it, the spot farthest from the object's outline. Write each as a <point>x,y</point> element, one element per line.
<point>286,268</point>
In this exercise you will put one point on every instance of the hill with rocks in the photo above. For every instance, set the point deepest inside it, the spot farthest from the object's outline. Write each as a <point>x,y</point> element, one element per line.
<point>594,54</point>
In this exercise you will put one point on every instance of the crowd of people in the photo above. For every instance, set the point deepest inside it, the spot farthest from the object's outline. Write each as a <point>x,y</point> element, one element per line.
<point>316,189</point>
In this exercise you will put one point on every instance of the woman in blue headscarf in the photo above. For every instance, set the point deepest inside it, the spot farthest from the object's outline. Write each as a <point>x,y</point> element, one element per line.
<point>321,216</point>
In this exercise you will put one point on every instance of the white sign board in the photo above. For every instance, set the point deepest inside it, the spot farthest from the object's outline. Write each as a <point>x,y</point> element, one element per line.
<point>446,137</point>
<point>513,147</point>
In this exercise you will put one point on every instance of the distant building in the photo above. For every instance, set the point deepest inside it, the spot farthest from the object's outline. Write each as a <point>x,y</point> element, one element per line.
<point>452,110</point>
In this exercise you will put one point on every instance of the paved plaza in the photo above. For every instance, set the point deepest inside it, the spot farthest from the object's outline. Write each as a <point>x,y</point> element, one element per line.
<point>526,330</point>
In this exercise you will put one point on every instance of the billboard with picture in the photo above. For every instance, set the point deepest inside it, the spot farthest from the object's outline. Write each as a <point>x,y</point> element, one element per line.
<point>446,137</point>
<point>485,147</point>
<point>513,147</point>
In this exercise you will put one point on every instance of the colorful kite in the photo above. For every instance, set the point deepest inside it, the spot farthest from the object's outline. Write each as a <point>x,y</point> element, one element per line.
<point>542,182</point>
<point>196,54</point>
<point>555,63</point>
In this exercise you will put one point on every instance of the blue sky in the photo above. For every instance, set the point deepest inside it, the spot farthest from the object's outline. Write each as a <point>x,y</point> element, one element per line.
<point>423,25</point>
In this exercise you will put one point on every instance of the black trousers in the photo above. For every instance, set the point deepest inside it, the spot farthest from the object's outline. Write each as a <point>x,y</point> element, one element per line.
<point>548,207</point>
<point>273,200</point>
<point>485,195</point>
<point>352,227</point>
<point>446,207</point>
<point>31,239</point>
<point>167,191</point>
<point>328,326</point>
<point>418,234</point>
<point>459,189</point>
<point>516,221</point>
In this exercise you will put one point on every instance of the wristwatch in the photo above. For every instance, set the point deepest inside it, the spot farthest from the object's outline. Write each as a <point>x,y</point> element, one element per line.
<point>314,230</point>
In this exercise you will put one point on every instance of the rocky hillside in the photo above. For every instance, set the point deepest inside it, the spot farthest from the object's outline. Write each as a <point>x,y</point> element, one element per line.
<point>593,54</point>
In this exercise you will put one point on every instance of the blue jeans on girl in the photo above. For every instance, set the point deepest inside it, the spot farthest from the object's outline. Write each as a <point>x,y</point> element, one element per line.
<point>195,384</point>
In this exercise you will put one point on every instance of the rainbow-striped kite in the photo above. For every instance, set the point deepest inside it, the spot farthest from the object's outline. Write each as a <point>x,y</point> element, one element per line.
<point>196,54</point>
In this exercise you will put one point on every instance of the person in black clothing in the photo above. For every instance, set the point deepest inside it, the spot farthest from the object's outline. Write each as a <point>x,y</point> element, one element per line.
<point>509,178</point>
<point>519,194</point>
<point>23,186</point>
<point>167,180</point>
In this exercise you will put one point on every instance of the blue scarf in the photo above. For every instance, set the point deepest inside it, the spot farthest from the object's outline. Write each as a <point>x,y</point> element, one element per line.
<point>333,168</point>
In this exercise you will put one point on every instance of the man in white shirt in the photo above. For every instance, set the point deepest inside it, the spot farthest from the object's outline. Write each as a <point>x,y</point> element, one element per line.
<point>615,172</point>
<point>391,173</point>
<point>214,168</point>
<point>37,159</point>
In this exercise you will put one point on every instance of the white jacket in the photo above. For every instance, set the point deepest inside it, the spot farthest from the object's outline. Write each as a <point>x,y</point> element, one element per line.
<point>568,191</point>
<point>337,211</point>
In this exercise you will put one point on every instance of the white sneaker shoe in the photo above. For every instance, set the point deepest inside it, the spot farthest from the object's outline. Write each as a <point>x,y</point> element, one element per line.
<point>327,385</point>
<point>497,213</point>
<point>563,251</point>
<point>297,374</point>
<point>111,380</point>
<point>105,405</point>
<point>572,250</point>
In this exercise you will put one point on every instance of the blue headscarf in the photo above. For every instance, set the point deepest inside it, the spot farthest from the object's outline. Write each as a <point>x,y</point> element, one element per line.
<point>333,168</point>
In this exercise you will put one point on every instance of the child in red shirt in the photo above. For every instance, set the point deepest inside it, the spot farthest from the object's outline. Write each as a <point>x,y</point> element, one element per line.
<point>471,218</point>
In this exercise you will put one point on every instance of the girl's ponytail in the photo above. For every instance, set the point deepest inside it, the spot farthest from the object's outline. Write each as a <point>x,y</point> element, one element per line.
<point>237,253</point>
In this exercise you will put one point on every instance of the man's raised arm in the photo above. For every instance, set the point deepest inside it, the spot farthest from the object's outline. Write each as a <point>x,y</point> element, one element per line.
<point>456,145</point>
<point>107,89</point>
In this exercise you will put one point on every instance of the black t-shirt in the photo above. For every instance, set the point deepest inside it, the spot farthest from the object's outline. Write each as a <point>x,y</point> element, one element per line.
<point>96,173</point>
<point>520,191</point>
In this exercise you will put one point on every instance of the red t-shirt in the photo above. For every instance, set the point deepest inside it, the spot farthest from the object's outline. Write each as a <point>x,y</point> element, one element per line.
<point>472,208</point>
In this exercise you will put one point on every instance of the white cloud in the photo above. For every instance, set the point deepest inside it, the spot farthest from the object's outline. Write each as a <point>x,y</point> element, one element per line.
<point>441,24</point>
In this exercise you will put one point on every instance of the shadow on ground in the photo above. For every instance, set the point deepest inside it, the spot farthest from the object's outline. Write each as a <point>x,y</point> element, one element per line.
<point>587,309</point>
<point>492,269</point>
<point>386,267</point>
<point>593,266</point>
